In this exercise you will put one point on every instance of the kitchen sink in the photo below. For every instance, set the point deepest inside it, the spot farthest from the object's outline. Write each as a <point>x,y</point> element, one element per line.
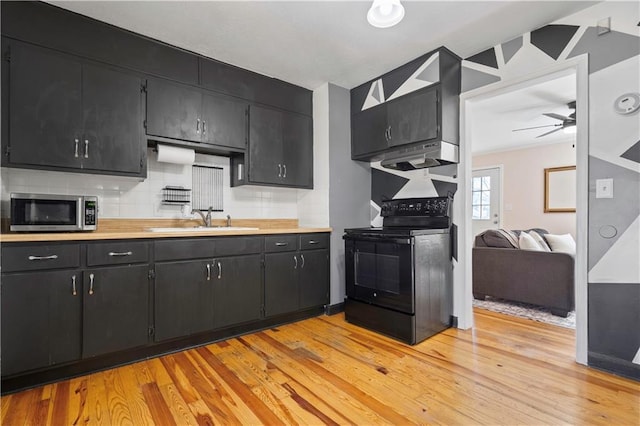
<point>212,229</point>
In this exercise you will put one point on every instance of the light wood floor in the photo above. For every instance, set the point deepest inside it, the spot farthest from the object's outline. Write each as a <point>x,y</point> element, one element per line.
<point>326,371</point>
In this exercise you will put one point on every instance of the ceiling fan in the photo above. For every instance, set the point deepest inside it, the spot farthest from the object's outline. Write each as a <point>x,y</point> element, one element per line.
<point>568,122</point>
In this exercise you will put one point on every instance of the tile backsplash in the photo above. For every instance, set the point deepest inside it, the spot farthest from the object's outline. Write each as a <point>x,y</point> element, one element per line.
<point>122,197</point>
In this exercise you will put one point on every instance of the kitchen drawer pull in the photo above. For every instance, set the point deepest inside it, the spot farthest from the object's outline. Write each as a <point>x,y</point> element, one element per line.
<point>204,127</point>
<point>313,242</point>
<point>219,270</point>
<point>208,272</point>
<point>302,257</point>
<point>295,259</point>
<point>279,170</point>
<point>91,284</point>
<point>279,244</point>
<point>52,257</point>
<point>198,126</point>
<point>86,148</point>
<point>284,167</point>
<point>120,253</point>
<point>73,285</point>
<point>77,141</point>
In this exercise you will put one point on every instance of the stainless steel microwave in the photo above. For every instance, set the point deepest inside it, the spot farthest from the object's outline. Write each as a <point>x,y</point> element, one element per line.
<point>48,212</point>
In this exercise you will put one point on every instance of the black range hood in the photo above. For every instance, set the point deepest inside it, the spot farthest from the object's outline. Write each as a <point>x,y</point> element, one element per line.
<point>422,156</point>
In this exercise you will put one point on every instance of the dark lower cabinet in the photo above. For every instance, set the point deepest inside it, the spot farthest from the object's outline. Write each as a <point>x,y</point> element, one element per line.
<point>237,290</point>
<point>314,278</point>
<point>41,319</point>
<point>183,298</point>
<point>281,290</point>
<point>115,309</point>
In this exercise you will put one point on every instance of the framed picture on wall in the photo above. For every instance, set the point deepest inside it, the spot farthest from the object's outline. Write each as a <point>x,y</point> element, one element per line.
<point>560,189</point>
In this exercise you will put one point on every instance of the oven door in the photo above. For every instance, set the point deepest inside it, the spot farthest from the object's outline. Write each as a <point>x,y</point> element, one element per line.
<point>379,271</point>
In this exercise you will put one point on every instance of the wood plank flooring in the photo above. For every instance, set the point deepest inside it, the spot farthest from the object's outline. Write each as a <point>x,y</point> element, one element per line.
<point>326,371</point>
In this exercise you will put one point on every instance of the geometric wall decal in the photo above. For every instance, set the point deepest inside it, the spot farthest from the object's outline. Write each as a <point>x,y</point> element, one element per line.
<point>427,74</point>
<point>620,211</point>
<point>552,39</point>
<point>633,153</point>
<point>620,263</point>
<point>472,79</point>
<point>606,50</point>
<point>375,95</point>
<point>384,186</point>
<point>394,79</point>
<point>487,57</point>
<point>444,188</point>
<point>374,211</point>
<point>510,48</point>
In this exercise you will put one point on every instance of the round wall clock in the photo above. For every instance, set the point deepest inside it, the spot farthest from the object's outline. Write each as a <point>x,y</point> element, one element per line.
<point>627,103</point>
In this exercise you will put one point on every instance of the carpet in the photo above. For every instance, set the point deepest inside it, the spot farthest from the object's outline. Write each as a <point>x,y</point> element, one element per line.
<point>525,310</point>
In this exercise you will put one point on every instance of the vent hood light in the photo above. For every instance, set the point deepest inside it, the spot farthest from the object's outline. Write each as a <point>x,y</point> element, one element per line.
<point>385,13</point>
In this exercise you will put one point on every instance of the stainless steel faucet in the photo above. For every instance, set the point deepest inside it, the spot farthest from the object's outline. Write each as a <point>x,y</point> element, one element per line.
<point>228,220</point>
<point>205,219</point>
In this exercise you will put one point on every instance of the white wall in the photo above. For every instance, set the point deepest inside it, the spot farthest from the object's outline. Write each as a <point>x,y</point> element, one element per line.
<point>122,197</point>
<point>523,186</point>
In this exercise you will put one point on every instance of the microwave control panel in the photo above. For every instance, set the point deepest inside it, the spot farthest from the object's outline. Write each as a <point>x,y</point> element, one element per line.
<point>90,208</point>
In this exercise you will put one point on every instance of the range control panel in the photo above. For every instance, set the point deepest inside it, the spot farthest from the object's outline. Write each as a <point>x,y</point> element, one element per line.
<point>430,207</point>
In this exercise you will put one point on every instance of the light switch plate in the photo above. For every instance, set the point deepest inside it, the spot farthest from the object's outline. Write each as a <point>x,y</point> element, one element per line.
<point>604,188</point>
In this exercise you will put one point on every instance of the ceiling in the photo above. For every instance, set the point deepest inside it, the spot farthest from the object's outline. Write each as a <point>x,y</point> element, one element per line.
<point>309,43</point>
<point>494,119</point>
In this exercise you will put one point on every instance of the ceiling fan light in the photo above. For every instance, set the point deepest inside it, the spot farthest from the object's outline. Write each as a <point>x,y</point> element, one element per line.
<point>385,13</point>
<point>569,130</point>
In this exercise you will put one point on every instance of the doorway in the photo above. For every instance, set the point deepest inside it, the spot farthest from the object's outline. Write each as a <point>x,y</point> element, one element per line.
<point>486,199</point>
<point>463,276</point>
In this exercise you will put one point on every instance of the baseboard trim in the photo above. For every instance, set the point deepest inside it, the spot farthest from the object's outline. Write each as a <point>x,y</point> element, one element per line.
<point>335,308</point>
<point>614,365</point>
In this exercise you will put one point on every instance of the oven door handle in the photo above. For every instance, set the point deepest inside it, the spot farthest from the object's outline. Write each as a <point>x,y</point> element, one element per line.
<point>405,241</point>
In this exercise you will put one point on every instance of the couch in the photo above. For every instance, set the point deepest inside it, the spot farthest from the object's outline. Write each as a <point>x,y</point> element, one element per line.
<point>502,270</point>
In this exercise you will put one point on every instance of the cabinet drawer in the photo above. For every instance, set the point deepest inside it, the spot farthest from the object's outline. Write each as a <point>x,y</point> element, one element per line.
<point>117,253</point>
<point>278,243</point>
<point>238,245</point>
<point>314,241</point>
<point>37,257</point>
<point>179,249</point>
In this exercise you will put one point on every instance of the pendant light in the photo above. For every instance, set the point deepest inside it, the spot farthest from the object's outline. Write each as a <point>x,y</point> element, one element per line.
<point>385,13</point>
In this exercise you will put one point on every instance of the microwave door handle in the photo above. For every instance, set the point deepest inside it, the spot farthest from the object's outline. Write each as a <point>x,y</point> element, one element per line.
<point>79,214</point>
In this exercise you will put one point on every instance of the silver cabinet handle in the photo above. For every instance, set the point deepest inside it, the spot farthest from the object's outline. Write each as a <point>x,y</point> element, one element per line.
<point>52,257</point>
<point>208,272</point>
<point>302,257</point>
<point>313,242</point>
<point>390,136</point>
<point>279,244</point>
<point>121,253</point>
<point>86,148</point>
<point>198,126</point>
<point>295,259</point>
<point>73,285</point>
<point>284,175</point>
<point>204,127</point>
<point>90,284</point>
<point>219,270</point>
<point>279,170</point>
<point>77,141</point>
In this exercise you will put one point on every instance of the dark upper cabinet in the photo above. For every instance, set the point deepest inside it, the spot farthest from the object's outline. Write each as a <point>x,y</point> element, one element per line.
<point>72,115</point>
<point>280,148</point>
<point>427,114</point>
<point>186,113</point>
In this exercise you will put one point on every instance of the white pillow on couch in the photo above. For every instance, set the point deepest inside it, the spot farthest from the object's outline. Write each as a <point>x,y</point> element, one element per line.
<point>561,243</point>
<point>527,242</point>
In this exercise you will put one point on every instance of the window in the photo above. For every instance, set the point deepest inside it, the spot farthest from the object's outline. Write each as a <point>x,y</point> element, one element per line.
<point>481,197</point>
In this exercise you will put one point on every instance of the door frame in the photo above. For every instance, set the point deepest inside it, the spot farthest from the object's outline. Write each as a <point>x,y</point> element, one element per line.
<point>463,298</point>
<point>500,168</point>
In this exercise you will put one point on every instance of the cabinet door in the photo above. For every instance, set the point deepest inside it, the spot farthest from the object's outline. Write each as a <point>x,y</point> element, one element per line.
<point>41,320</point>
<point>224,121</point>
<point>368,130</point>
<point>44,108</point>
<point>112,117</point>
<point>297,146</point>
<point>116,306</point>
<point>237,290</point>
<point>265,145</point>
<point>413,117</point>
<point>173,111</point>
<point>314,278</point>
<point>183,298</point>
<point>281,283</point>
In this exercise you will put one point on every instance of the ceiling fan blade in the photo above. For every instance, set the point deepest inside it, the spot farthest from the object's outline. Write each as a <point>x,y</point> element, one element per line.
<point>548,133</point>
<point>537,127</point>
<point>556,116</point>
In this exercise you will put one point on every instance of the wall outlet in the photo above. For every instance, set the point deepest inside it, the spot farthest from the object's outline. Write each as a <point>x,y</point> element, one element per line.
<point>604,25</point>
<point>604,188</point>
